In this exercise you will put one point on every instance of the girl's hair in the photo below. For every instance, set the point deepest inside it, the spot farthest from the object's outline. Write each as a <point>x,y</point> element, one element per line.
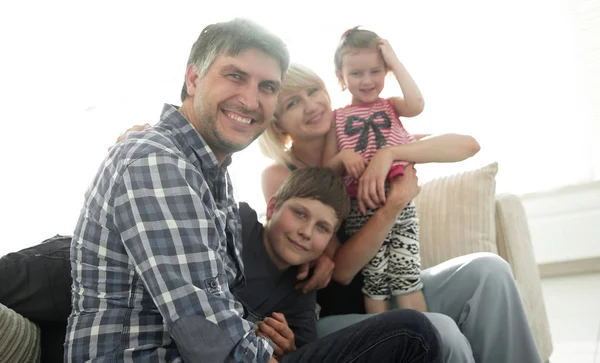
<point>354,38</point>
<point>273,143</point>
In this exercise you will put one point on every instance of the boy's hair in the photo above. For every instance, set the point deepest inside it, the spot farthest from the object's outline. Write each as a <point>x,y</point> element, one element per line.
<point>232,38</point>
<point>317,183</point>
<point>354,38</point>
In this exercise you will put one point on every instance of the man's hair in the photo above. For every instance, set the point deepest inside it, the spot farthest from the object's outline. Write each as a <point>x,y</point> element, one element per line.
<point>317,183</point>
<point>231,38</point>
<point>273,144</point>
<point>354,38</point>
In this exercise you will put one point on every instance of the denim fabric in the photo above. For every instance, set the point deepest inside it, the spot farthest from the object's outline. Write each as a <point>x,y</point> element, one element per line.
<point>405,336</point>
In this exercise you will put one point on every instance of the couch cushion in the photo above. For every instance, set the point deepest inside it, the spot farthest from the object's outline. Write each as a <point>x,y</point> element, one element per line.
<point>19,338</point>
<point>457,215</point>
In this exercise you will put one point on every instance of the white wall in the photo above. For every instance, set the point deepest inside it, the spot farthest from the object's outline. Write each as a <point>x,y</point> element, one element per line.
<point>565,224</point>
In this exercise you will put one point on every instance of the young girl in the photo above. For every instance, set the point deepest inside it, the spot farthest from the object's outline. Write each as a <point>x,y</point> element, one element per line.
<point>369,123</point>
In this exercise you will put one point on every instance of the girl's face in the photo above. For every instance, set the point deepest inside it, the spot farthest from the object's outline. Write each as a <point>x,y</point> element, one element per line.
<point>363,73</point>
<point>305,114</point>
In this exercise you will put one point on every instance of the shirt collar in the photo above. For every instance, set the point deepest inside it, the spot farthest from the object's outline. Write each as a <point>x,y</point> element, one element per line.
<point>190,141</point>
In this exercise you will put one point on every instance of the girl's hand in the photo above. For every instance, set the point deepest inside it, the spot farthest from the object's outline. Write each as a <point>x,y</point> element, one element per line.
<point>389,56</point>
<point>354,163</point>
<point>371,185</point>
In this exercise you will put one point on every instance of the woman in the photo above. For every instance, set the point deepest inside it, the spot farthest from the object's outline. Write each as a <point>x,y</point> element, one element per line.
<point>473,300</point>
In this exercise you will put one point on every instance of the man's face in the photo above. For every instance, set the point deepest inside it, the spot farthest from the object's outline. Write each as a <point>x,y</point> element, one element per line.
<point>298,231</point>
<point>234,100</point>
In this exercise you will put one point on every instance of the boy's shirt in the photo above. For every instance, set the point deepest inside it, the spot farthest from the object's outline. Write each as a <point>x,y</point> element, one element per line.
<point>269,289</point>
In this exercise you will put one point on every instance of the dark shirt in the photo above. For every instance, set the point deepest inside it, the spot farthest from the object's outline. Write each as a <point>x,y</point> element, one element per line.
<point>269,289</point>
<point>338,299</point>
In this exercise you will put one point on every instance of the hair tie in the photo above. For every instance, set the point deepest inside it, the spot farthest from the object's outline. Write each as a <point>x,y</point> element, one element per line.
<point>345,34</point>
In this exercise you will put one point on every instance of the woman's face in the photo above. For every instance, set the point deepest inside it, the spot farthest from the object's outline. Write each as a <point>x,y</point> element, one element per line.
<point>305,114</point>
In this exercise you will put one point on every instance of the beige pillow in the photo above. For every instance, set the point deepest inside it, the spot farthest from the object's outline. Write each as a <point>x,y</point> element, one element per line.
<point>457,215</point>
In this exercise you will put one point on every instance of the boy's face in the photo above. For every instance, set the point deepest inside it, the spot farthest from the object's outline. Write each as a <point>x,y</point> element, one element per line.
<point>298,231</point>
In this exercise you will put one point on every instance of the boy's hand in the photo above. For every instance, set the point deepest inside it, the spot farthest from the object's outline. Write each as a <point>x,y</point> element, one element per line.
<point>389,56</point>
<point>403,189</point>
<point>371,185</point>
<point>277,330</point>
<point>353,162</point>
<point>321,276</point>
<point>132,128</point>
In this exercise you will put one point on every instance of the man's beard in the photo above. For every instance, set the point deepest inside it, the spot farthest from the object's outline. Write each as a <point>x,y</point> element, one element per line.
<point>214,137</point>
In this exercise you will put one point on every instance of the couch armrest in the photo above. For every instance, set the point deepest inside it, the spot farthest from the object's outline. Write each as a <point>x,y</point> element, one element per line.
<point>514,245</point>
<point>19,338</point>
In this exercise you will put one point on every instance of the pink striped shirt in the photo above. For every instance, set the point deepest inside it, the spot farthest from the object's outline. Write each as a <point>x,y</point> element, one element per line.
<point>367,127</point>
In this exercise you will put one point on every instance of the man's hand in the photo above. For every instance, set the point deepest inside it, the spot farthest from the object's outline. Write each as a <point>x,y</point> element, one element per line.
<point>354,163</point>
<point>371,185</point>
<point>321,276</point>
<point>277,330</point>
<point>132,128</point>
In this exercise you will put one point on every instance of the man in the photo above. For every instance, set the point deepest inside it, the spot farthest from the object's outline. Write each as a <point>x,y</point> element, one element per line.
<point>155,256</point>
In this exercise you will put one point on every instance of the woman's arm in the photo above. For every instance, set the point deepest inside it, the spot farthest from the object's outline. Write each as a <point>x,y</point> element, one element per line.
<point>442,149</point>
<point>353,255</point>
<point>446,148</point>
<point>272,178</point>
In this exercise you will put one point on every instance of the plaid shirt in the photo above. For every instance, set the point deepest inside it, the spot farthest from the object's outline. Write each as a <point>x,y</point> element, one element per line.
<point>156,255</point>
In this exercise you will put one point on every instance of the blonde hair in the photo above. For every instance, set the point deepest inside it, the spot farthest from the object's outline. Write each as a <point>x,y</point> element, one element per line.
<point>273,143</point>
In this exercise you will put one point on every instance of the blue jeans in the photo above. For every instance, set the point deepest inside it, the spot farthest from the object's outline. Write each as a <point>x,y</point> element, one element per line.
<point>405,336</point>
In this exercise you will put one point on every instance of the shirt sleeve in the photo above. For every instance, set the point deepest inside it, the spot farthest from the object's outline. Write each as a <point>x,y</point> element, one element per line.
<point>302,320</point>
<point>167,219</point>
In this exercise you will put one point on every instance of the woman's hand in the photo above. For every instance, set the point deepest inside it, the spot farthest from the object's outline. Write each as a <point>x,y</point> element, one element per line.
<point>371,185</point>
<point>132,128</point>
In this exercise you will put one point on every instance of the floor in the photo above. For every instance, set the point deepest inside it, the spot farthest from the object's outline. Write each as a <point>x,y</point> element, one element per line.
<point>573,304</point>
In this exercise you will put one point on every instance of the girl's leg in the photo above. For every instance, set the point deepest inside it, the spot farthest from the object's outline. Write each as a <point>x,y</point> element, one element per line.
<point>375,285</point>
<point>404,269</point>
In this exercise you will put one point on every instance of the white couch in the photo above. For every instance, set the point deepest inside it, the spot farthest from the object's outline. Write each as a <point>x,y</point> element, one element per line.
<point>461,214</point>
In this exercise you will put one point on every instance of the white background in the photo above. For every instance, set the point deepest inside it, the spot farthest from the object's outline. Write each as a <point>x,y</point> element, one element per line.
<point>516,74</point>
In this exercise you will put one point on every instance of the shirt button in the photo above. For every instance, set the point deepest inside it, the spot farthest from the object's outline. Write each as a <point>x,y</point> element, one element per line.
<point>213,284</point>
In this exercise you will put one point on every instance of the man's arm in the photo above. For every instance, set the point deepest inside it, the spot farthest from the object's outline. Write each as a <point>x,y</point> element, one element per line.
<point>173,238</point>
